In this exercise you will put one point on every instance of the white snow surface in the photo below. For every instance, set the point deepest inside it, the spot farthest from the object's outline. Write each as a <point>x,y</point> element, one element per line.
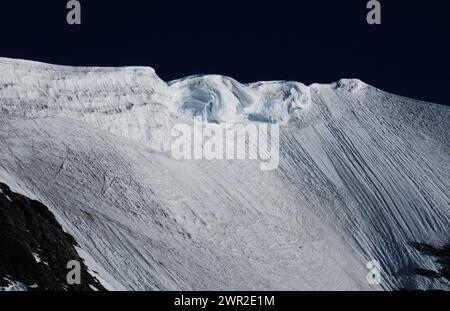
<point>37,257</point>
<point>362,173</point>
<point>13,286</point>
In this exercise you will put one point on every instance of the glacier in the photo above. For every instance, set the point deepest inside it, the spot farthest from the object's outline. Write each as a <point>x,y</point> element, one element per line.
<point>362,174</point>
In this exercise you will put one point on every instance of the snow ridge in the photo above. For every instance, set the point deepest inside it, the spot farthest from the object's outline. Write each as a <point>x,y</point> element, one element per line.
<point>362,174</point>
<point>133,102</point>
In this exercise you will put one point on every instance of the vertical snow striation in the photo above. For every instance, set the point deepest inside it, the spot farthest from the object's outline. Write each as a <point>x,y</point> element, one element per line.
<point>362,174</point>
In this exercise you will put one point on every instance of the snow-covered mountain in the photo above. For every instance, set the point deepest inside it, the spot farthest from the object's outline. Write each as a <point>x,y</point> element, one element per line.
<point>362,174</point>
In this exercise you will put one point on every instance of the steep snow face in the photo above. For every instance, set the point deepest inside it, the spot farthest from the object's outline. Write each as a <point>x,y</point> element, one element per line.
<point>362,173</point>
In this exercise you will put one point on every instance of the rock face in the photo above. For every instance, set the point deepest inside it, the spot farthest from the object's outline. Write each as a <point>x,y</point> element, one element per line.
<point>362,173</point>
<point>34,249</point>
<point>442,257</point>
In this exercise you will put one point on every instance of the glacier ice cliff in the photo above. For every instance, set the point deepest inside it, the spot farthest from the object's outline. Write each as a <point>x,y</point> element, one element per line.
<point>362,174</point>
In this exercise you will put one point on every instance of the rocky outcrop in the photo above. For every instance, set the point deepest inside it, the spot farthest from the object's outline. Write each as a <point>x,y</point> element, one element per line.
<point>34,249</point>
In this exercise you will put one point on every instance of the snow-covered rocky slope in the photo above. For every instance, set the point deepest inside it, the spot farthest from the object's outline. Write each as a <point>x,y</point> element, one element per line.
<point>362,173</point>
<point>34,250</point>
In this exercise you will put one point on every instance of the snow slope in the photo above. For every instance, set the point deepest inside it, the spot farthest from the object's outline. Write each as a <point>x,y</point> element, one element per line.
<point>362,173</point>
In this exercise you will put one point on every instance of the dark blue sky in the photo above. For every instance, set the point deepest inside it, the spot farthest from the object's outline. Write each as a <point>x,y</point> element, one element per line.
<point>306,41</point>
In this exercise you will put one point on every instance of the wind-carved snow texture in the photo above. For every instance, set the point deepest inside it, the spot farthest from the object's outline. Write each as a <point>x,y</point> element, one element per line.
<point>362,173</point>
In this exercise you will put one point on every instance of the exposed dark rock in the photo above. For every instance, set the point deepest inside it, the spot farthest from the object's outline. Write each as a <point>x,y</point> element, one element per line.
<point>34,249</point>
<point>442,256</point>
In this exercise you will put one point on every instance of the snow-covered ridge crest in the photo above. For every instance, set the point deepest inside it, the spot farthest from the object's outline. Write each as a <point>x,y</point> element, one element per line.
<point>135,103</point>
<point>222,99</point>
<point>32,89</point>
